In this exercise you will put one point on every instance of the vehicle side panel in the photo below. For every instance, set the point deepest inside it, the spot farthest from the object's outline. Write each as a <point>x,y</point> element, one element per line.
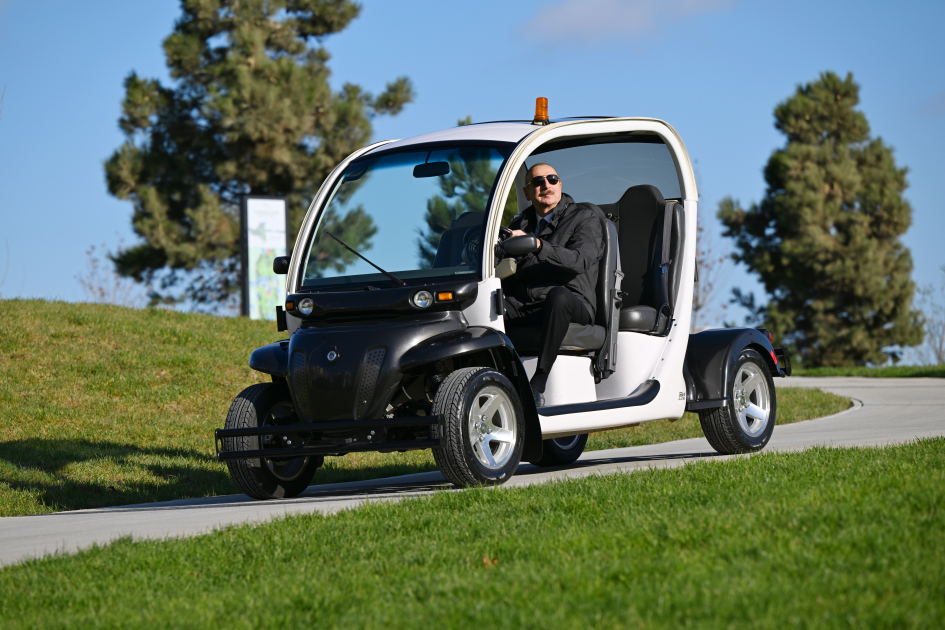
<point>271,359</point>
<point>711,360</point>
<point>455,343</point>
<point>483,311</point>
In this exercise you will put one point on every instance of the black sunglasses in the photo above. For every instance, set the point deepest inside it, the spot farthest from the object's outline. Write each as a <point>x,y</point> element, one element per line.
<point>539,180</point>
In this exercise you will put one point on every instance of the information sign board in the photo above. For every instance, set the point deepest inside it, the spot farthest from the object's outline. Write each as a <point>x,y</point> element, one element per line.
<point>264,224</point>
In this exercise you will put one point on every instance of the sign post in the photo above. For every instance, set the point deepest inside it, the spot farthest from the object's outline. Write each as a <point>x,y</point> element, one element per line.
<point>264,234</point>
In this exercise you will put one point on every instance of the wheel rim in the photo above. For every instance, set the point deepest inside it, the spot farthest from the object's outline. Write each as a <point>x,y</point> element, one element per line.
<point>283,414</point>
<point>492,427</point>
<point>566,443</point>
<point>751,399</point>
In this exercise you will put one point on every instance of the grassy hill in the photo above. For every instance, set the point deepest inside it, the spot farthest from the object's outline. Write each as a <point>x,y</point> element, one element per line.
<point>102,405</point>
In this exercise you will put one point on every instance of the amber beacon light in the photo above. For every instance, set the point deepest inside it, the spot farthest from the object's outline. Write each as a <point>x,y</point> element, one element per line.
<point>541,111</point>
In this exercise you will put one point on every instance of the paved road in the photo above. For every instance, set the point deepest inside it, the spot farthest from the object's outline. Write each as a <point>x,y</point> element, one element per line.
<point>885,411</point>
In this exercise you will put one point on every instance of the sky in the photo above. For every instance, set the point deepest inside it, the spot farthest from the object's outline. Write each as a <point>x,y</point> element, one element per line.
<point>714,69</point>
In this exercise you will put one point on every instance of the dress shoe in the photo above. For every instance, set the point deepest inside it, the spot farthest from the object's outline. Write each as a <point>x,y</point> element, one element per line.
<point>539,397</point>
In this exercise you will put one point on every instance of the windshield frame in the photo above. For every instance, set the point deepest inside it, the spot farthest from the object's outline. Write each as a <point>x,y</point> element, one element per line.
<point>324,198</point>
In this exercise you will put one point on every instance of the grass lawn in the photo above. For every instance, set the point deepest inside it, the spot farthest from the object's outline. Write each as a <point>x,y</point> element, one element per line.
<point>896,371</point>
<point>101,405</point>
<point>826,538</point>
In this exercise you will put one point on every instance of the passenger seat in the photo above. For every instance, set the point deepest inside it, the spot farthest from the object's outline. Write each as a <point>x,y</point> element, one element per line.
<point>648,297</point>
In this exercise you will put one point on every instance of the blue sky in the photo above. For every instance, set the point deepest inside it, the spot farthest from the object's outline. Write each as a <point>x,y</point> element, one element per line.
<point>715,69</point>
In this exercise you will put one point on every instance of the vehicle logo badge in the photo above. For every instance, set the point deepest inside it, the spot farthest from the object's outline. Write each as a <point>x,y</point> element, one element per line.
<point>333,355</point>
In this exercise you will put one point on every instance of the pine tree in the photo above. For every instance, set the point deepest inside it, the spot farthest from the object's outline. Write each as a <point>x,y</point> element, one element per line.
<point>250,112</point>
<point>825,238</point>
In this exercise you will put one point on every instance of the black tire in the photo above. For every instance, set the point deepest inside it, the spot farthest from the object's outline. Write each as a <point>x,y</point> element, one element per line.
<point>256,406</point>
<point>727,428</point>
<point>467,443</point>
<point>561,451</point>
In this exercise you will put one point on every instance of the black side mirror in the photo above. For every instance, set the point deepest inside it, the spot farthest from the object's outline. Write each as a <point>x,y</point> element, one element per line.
<point>280,265</point>
<point>519,245</point>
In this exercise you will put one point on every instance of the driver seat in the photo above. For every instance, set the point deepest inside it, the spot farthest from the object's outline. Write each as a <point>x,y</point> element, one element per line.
<point>599,338</point>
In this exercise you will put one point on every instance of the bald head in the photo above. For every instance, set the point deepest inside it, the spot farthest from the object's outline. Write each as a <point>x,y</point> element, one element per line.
<point>544,195</point>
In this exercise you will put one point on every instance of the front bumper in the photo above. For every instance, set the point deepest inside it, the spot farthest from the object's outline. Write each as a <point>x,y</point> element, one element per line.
<point>328,438</point>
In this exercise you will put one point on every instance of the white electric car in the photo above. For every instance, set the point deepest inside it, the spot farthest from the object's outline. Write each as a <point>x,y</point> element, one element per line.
<point>395,312</point>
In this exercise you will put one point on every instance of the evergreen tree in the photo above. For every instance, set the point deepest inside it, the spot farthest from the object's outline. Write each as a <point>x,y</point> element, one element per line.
<point>825,238</point>
<point>250,112</point>
<point>465,189</point>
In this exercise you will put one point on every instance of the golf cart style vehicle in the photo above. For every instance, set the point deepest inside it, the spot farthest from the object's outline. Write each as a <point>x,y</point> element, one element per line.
<point>395,310</point>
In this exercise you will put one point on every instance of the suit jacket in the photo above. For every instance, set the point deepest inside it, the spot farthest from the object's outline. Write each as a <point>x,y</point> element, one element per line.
<point>571,248</point>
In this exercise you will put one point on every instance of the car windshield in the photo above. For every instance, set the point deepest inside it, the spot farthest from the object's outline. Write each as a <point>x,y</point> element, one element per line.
<point>417,214</point>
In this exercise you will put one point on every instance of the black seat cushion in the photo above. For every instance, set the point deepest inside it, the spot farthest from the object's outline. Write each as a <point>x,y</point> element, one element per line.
<point>588,337</point>
<point>638,318</point>
<point>527,339</point>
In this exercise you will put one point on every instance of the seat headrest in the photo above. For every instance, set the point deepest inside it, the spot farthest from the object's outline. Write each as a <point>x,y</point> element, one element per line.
<point>642,196</point>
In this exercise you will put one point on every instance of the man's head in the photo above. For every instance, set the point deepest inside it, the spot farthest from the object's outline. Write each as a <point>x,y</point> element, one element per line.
<point>540,190</point>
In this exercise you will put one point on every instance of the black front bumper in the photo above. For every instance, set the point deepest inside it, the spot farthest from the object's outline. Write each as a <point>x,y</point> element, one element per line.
<point>317,439</point>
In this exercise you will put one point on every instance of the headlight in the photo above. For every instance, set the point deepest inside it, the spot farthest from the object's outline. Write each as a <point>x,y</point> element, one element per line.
<point>422,299</point>
<point>306,305</point>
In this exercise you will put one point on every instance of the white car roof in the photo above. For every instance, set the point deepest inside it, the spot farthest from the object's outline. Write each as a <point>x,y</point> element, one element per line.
<point>494,132</point>
<point>514,132</point>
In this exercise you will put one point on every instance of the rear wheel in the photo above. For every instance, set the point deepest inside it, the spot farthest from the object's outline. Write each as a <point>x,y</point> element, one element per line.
<point>481,427</point>
<point>268,404</point>
<point>562,451</point>
<point>746,422</point>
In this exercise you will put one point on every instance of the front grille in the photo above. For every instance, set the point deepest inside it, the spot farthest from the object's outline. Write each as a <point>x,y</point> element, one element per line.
<point>370,369</point>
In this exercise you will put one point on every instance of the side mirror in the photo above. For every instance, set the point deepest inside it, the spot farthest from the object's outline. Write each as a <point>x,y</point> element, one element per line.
<point>519,245</point>
<point>280,265</point>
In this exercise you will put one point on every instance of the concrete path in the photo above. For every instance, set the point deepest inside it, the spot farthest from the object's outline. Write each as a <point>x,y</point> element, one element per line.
<point>885,411</point>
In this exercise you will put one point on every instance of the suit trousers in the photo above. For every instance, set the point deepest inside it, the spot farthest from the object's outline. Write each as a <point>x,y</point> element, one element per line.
<point>553,315</point>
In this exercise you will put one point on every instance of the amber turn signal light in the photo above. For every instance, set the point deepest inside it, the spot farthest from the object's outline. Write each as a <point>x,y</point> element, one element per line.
<point>541,111</point>
<point>290,305</point>
<point>444,297</point>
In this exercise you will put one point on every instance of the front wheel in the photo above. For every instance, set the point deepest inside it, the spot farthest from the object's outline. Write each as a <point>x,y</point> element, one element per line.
<point>267,404</point>
<point>481,428</point>
<point>562,451</point>
<point>745,423</point>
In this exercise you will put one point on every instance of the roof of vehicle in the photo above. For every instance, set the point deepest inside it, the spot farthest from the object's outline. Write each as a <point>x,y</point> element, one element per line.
<point>514,131</point>
<point>507,131</point>
<point>510,132</point>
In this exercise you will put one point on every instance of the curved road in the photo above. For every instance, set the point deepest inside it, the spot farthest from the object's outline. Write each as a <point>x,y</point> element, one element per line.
<point>885,411</point>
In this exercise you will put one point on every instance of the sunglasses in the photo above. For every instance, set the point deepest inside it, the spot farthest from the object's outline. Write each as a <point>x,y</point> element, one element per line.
<point>553,180</point>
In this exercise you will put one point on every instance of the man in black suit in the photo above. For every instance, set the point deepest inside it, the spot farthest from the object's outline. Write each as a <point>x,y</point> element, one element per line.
<point>557,284</point>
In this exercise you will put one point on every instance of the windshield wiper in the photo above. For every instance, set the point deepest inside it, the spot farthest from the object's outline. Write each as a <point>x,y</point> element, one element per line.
<point>397,281</point>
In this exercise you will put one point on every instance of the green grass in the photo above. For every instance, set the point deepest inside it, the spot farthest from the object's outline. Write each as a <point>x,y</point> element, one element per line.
<point>895,371</point>
<point>828,538</point>
<point>101,405</point>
